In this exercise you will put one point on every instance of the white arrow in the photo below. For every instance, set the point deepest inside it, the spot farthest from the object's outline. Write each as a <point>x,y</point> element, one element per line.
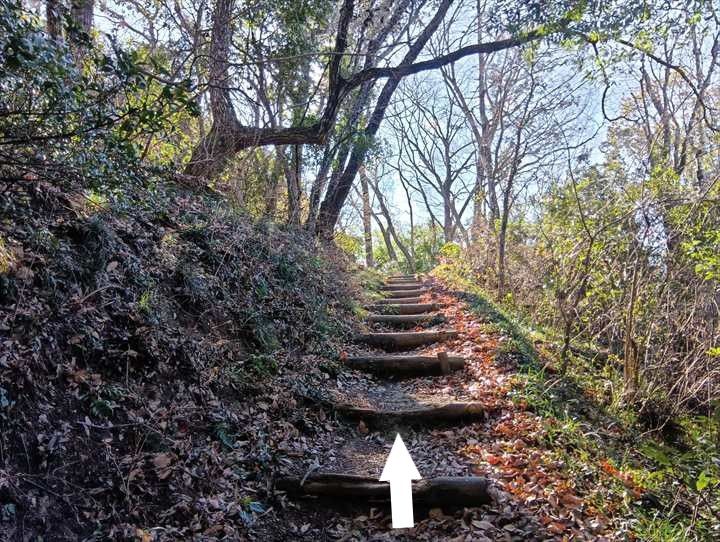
<point>400,471</point>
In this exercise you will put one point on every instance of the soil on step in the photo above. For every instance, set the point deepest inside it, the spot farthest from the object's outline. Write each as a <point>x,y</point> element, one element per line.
<point>354,447</point>
<point>433,452</point>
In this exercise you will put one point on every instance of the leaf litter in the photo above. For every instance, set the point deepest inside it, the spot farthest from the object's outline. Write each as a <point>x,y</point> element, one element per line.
<point>137,404</point>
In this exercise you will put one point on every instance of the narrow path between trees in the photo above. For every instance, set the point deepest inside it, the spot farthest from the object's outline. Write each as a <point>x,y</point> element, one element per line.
<point>434,372</point>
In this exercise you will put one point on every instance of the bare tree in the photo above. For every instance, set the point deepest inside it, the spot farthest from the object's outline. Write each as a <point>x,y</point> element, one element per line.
<point>338,148</point>
<point>434,150</point>
<point>367,219</point>
<point>390,230</point>
<point>338,191</point>
<point>228,135</point>
<point>526,102</point>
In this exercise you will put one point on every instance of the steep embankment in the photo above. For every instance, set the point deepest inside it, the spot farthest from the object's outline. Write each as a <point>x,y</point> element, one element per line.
<point>147,345</point>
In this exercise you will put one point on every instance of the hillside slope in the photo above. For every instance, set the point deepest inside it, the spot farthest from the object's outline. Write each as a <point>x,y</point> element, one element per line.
<point>148,338</point>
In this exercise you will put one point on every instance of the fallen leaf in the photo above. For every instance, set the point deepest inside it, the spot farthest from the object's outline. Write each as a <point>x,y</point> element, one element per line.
<point>162,461</point>
<point>25,273</point>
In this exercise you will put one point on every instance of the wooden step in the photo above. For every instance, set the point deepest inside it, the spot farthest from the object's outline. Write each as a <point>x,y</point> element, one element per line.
<point>402,287</point>
<point>402,277</point>
<point>408,339</point>
<point>447,412</point>
<point>402,281</point>
<point>410,308</point>
<point>407,293</point>
<point>406,320</point>
<point>399,301</point>
<point>404,365</point>
<point>466,491</point>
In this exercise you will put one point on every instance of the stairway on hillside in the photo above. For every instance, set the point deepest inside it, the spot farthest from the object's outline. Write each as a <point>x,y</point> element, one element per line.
<point>405,330</point>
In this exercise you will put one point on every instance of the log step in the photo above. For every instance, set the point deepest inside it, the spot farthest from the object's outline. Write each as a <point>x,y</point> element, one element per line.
<point>402,277</point>
<point>406,293</point>
<point>406,320</point>
<point>399,301</point>
<point>408,339</point>
<point>404,365</point>
<point>401,287</point>
<point>410,308</point>
<point>431,492</point>
<point>448,412</point>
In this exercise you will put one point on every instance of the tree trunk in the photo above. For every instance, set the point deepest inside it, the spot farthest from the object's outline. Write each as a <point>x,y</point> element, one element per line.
<point>227,136</point>
<point>411,264</point>
<point>448,223</point>
<point>54,12</point>
<point>502,242</point>
<point>391,232</point>
<point>367,219</point>
<point>215,149</point>
<point>82,13</point>
<point>631,369</point>
<point>294,187</point>
<point>271,190</point>
<point>388,240</point>
<point>223,141</point>
<point>361,101</point>
<point>338,193</point>
<point>341,155</point>
<point>318,187</point>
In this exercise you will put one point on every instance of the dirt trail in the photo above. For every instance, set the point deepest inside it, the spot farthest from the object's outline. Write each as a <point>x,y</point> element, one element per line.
<point>428,411</point>
<point>486,438</point>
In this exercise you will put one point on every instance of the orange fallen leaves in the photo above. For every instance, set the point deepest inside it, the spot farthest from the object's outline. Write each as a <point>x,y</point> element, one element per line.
<point>514,455</point>
<point>493,459</point>
<point>556,527</point>
<point>626,478</point>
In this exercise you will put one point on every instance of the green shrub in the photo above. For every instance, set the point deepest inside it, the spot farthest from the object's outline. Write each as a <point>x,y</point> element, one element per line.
<point>450,251</point>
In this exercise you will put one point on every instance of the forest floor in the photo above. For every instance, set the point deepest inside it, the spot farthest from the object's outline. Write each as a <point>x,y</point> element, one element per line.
<point>546,483</point>
<point>188,360</point>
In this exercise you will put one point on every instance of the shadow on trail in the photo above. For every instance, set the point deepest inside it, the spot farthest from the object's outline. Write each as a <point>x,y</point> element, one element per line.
<point>551,393</point>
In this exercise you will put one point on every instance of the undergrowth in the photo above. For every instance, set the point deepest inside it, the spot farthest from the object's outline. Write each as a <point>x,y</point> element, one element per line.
<point>148,336</point>
<point>661,484</point>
